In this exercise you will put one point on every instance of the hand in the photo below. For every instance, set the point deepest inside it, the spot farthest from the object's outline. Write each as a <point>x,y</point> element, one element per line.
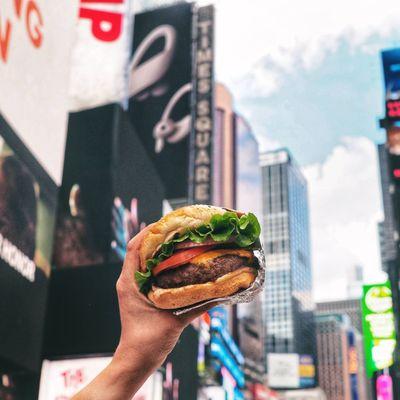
<point>145,330</point>
<point>147,336</point>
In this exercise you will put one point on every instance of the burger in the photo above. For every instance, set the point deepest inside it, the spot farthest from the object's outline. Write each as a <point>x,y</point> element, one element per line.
<point>198,253</point>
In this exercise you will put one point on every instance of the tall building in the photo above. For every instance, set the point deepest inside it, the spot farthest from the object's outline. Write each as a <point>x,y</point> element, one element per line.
<point>388,236</point>
<point>351,308</point>
<point>288,305</point>
<point>355,279</point>
<point>248,198</point>
<point>224,163</point>
<point>340,358</point>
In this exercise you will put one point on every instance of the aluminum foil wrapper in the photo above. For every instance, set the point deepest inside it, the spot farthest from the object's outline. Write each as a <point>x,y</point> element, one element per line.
<point>245,296</point>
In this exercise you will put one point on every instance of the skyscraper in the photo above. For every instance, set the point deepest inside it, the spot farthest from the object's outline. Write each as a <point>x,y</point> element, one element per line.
<point>288,305</point>
<point>387,228</point>
<point>340,358</point>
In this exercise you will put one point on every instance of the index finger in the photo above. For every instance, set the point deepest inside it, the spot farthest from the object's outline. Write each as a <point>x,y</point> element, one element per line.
<point>131,262</point>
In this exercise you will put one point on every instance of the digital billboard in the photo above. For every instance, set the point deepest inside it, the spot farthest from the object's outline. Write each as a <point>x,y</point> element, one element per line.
<point>391,72</point>
<point>33,127</point>
<point>378,327</point>
<point>160,91</point>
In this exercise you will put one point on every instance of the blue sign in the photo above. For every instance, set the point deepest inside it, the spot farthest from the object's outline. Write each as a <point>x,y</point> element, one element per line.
<point>218,326</point>
<point>391,72</point>
<point>218,350</point>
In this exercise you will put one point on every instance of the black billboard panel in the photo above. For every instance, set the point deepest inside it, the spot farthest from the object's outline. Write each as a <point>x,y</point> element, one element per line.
<point>110,189</point>
<point>161,90</point>
<point>26,229</point>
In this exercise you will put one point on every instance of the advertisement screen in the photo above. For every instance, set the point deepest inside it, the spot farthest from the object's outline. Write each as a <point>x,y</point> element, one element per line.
<point>102,34</point>
<point>26,228</point>
<point>391,72</point>
<point>160,91</point>
<point>61,380</point>
<point>378,327</point>
<point>34,96</point>
<point>283,371</point>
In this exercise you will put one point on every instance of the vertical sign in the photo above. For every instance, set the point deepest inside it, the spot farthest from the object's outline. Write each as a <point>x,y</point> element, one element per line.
<point>384,387</point>
<point>353,365</point>
<point>391,71</point>
<point>203,112</point>
<point>378,327</point>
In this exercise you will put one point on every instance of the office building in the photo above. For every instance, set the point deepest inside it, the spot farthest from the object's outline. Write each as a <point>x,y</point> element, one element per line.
<point>248,198</point>
<point>355,279</point>
<point>351,308</point>
<point>340,358</point>
<point>388,236</point>
<point>288,305</point>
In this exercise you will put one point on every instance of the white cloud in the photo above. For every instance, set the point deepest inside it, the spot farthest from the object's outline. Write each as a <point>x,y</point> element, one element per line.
<point>258,40</point>
<point>345,207</point>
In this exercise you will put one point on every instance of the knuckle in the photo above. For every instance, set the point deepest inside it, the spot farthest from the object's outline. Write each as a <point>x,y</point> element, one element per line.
<point>131,245</point>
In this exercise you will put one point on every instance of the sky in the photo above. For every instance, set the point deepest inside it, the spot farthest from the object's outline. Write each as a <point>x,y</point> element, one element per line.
<point>307,76</point>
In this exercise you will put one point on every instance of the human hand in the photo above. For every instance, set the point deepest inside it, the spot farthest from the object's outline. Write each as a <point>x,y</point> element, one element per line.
<point>147,336</point>
<point>146,331</point>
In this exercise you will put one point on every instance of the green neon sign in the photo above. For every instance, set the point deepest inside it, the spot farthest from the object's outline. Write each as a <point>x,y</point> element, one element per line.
<point>378,327</point>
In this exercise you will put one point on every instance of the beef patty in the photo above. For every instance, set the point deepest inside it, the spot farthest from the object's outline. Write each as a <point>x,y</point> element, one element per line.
<point>190,274</point>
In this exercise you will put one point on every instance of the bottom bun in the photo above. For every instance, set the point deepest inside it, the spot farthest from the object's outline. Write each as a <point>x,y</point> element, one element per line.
<point>224,286</point>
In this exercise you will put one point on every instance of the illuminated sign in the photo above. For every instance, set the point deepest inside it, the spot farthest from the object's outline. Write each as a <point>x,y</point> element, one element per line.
<point>391,71</point>
<point>217,326</point>
<point>378,327</point>
<point>218,350</point>
<point>384,387</point>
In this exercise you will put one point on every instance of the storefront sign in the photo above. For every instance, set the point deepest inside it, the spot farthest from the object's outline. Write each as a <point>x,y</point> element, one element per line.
<point>378,327</point>
<point>283,370</point>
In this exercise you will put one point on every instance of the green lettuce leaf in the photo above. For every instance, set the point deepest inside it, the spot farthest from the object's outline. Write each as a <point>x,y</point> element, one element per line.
<point>244,230</point>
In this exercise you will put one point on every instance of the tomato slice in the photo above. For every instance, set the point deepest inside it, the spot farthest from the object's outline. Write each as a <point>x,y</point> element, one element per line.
<point>180,258</point>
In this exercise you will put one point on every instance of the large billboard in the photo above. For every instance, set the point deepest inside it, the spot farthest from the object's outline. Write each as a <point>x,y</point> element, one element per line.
<point>62,379</point>
<point>391,72</point>
<point>378,327</point>
<point>35,54</point>
<point>290,371</point>
<point>160,91</point>
<point>34,94</point>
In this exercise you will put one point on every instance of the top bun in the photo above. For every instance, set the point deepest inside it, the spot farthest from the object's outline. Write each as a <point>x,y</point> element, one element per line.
<point>178,221</point>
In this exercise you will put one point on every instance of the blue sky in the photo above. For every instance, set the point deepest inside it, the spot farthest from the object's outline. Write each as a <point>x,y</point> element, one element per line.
<point>314,108</point>
<point>307,76</point>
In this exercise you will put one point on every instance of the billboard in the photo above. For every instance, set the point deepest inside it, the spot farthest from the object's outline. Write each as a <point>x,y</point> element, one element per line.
<point>160,91</point>
<point>378,327</point>
<point>290,371</point>
<point>100,55</point>
<point>62,379</point>
<point>33,126</point>
<point>283,371</point>
<point>391,72</point>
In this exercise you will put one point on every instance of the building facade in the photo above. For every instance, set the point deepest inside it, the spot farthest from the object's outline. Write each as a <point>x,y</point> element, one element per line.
<point>288,305</point>
<point>340,358</point>
<point>248,198</point>
<point>388,236</point>
<point>351,308</point>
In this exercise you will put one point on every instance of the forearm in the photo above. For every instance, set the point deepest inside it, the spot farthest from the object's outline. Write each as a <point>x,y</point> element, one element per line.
<point>121,379</point>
